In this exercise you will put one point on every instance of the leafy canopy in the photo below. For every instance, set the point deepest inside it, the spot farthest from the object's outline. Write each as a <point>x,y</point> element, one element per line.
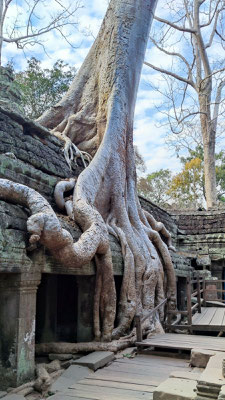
<point>42,87</point>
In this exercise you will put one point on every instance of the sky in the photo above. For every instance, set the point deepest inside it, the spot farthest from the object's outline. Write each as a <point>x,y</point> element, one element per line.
<point>149,133</point>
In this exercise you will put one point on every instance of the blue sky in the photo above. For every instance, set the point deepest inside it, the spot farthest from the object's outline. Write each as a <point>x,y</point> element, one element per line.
<point>148,134</point>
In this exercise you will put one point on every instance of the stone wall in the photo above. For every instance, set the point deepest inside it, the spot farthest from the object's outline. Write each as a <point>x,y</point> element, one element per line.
<point>201,235</point>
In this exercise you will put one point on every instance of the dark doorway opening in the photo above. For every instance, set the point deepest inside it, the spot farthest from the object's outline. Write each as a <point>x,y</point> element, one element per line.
<point>57,304</point>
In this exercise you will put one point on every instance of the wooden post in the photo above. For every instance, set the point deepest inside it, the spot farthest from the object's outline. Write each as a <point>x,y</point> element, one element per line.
<point>204,293</point>
<point>138,328</point>
<point>189,311</point>
<point>199,293</point>
<point>169,319</point>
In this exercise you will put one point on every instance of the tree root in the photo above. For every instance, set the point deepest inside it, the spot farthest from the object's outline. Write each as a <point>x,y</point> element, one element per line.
<point>46,373</point>
<point>44,226</point>
<point>71,348</point>
<point>60,189</point>
<point>71,151</point>
<point>160,227</point>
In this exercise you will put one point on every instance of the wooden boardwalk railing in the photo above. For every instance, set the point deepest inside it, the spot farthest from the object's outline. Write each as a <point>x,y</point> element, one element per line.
<point>196,297</point>
<point>139,320</point>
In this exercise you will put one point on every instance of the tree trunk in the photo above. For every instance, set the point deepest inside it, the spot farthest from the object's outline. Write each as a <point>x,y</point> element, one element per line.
<point>1,29</point>
<point>209,141</point>
<point>97,115</point>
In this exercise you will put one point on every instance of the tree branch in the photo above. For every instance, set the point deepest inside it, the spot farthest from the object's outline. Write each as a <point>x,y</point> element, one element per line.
<point>179,28</point>
<point>164,71</point>
<point>176,55</point>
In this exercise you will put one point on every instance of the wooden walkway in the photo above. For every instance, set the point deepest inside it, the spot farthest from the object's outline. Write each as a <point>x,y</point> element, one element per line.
<point>184,342</point>
<point>210,319</point>
<point>125,379</point>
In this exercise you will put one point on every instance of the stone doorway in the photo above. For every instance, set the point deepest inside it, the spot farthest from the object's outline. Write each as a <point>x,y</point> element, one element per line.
<point>57,309</point>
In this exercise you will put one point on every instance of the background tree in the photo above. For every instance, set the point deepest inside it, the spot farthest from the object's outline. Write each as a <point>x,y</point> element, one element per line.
<point>191,36</point>
<point>96,115</point>
<point>22,28</point>
<point>42,88</point>
<point>187,187</point>
<point>155,187</point>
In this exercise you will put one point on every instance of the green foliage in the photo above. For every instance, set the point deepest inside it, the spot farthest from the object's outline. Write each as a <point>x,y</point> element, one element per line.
<point>42,88</point>
<point>187,187</point>
<point>155,186</point>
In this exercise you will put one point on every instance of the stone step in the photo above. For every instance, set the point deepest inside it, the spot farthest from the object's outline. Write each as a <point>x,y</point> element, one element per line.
<point>96,360</point>
<point>72,375</point>
<point>175,389</point>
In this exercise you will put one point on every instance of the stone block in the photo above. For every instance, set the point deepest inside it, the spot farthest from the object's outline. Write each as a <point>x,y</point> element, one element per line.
<point>175,389</point>
<point>61,384</point>
<point>2,394</point>
<point>222,393</point>
<point>200,357</point>
<point>193,376</point>
<point>96,360</point>
<point>76,372</point>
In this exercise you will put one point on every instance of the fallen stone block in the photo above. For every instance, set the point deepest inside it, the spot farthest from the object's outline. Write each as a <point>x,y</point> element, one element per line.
<point>2,394</point>
<point>200,357</point>
<point>96,360</point>
<point>69,377</point>
<point>175,389</point>
<point>76,372</point>
<point>61,384</point>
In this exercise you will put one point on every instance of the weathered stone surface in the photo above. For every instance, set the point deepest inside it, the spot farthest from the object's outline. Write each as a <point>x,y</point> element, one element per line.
<point>203,260</point>
<point>200,357</point>
<point>2,394</point>
<point>61,384</point>
<point>71,376</point>
<point>175,389</point>
<point>222,393</point>
<point>211,380</point>
<point>96,360</point>
<point>76,372</point>
<point>193,376</point>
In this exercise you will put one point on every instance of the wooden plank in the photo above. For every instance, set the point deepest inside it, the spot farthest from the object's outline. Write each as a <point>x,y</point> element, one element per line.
<point>117,385</point>
<point>106,393</point>
<point>165,364</point>
<point>218,317</point>
<point>128,378</point>
<point>206,318</point>
<point>185,342</point>
<point>200,316</point>
<point>150,372</point>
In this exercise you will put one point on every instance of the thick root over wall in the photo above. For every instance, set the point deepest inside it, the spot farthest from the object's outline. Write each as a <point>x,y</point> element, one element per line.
<point>97,116</point>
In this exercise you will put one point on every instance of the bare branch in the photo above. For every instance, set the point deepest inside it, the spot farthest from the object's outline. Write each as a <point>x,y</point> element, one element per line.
<point>175,54</point>
<point>213,15</point>
<point>164,71</point>
<point>179,28</point>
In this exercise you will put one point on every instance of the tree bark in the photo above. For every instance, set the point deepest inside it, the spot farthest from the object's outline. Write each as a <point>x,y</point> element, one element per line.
<point>97,115</point>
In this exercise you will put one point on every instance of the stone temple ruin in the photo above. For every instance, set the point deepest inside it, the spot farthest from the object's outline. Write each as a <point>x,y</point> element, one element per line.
<point>42,301</point>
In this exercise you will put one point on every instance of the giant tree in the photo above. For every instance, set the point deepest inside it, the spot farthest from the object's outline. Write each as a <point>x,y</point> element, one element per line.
<point>97,116</point>
<point>192,36</point>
